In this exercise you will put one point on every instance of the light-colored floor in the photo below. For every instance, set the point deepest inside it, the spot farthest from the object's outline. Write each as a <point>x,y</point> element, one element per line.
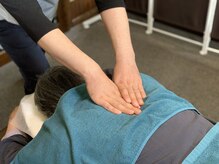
<point>176,64</point>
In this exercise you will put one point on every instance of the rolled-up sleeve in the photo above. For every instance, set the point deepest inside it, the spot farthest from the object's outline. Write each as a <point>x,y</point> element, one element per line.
<point>29,15</point>
<point>107,4</point>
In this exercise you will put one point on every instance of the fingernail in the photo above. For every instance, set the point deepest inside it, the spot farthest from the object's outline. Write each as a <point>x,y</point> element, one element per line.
<point>137,105</point>
<point>131,112</point>
<point>118,112</point>
<point>138,112</point>
<point>141,102</point>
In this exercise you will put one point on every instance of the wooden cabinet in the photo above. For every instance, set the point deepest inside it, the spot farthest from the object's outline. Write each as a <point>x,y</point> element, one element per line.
<point>72,12</point>
<point>4,58</point>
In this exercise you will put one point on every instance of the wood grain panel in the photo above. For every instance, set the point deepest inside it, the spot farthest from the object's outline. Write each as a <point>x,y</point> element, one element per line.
<point>74,11</point>
<point>4,58</point>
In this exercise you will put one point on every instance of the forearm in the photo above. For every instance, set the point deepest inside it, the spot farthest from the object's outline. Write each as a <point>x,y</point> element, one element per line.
<point>68,54</point>
<point>116,22</point>
<point>126,74</point>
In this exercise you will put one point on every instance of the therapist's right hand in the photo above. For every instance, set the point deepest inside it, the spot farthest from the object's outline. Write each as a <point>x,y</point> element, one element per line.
<point>105,93</point>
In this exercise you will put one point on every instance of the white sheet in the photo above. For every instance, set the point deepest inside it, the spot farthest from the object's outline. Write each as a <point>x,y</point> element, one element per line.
<point>28,118</point>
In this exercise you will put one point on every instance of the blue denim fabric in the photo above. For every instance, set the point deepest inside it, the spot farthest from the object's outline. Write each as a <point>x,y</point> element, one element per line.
<point>27,55</point>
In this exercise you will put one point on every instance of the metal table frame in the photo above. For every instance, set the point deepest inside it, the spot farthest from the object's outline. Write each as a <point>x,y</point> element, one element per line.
<point>150,28</point>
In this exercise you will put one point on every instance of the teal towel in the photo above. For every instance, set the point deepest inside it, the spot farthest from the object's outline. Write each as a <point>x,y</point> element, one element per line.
<point>82,132</point>
<point>207,151</point>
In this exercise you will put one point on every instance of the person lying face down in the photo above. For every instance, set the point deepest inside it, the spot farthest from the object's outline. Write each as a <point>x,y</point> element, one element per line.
<point>167,131</point>
<point>52,85</point>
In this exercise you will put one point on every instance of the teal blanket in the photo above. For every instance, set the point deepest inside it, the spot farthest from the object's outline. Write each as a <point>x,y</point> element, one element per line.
<point>81,132</point>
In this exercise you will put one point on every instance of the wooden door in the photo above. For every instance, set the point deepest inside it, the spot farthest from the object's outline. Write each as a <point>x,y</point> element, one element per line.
<point>72,12</point>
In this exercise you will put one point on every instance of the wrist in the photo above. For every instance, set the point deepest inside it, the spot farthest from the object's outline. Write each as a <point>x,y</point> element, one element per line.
<point>92,72</point>
<point>125,57</point>
<point>126,61</point>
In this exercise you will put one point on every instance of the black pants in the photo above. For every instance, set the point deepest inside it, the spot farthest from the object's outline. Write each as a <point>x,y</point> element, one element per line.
<point>9,147</point>
<point>26,54</point>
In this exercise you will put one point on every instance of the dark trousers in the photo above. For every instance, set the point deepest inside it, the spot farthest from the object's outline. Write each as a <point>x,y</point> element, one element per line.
<point>9,147</point>
<point>27,55</point>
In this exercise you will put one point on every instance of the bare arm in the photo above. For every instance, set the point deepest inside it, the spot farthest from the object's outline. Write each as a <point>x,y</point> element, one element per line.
<point>101,89</point>
<point>126,74</point>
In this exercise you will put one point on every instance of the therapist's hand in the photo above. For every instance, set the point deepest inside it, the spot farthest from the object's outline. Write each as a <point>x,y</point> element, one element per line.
<point>128,80</point>
<point>106,94</point>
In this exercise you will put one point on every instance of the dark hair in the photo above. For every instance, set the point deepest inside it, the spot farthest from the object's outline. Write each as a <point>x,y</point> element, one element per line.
<point>52,85</point>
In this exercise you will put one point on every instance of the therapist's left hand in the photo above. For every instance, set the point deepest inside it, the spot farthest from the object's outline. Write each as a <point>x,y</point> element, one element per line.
<point>128,80</point>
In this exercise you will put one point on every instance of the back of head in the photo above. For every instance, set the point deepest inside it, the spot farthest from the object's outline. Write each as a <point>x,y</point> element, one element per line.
<point>52,85</point>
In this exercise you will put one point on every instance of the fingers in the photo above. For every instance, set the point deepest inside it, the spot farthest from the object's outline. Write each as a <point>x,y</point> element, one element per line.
<point>125,107</point>
<point>110,108</point>
<point>125,94</point>
<point>138,96</point>
<point>133,95</point>
<point>117,105</point>
<point>108,95</point>
<point>141,89</point>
